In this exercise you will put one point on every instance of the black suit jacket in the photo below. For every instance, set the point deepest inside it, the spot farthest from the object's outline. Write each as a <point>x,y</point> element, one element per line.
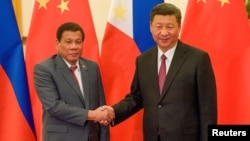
<point>64,107</point>
<point>188,102</point>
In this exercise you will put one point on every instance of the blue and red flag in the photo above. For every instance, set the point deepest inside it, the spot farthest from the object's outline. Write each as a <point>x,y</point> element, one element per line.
<point>127,35</point>
<point>16,121</point>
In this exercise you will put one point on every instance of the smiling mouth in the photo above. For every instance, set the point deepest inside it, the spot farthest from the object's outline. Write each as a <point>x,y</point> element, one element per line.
<point>164,40</point>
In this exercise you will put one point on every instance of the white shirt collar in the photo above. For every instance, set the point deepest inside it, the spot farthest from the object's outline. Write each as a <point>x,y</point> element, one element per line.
<point>169,53</point>
<point>68,64</point>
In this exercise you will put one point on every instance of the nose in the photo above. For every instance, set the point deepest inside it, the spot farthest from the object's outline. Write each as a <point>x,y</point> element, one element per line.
<point>164,31</point>
<point>74,45</point>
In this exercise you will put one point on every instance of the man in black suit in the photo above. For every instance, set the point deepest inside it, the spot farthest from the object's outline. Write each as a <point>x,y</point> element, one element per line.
<point>70,100</point>
<point>187,103</point>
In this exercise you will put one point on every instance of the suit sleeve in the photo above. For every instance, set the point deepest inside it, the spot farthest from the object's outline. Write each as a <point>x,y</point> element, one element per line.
<point>131,104</point>
<point>207,95</point>
<point>47,92</point>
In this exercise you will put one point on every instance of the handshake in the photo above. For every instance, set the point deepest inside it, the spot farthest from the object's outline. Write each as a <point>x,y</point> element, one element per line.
<point>104,115</point>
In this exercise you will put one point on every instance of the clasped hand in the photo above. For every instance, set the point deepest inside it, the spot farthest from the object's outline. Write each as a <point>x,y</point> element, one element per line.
<point>104,115</point>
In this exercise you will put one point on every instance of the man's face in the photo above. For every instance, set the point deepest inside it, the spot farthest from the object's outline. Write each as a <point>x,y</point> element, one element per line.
<point>165,31</point>
<point>70,46</point>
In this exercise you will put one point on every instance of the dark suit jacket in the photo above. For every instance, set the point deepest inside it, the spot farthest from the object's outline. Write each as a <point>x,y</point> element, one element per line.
<point>188,102</point>
<point>64,107</point>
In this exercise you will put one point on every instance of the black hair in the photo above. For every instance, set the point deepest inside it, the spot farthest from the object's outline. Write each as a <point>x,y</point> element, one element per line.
<point>68,26</point>
<point>166,9</point>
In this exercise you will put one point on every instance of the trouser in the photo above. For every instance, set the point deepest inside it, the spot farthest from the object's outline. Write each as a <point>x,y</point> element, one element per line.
<point>158,138</point>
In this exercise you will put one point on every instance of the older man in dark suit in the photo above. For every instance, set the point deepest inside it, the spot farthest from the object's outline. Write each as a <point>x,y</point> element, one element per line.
<point>70,98</point>
<point>173,82</point>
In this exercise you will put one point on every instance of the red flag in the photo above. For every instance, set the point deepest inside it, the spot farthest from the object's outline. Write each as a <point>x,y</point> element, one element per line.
<point>221,28</point>
<point>126,36</point>
<point>41,41</point>
<point>16,121</point>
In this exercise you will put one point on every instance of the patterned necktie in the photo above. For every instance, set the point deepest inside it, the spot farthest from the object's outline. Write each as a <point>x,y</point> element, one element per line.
<point>72,69</point>
<point>162,73</point>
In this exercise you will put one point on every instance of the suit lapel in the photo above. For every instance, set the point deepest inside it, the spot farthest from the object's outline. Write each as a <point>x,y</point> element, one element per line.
<point>179,58</point>
<point>153,71</point>
<point>84,75</point>
<point>65,72</point>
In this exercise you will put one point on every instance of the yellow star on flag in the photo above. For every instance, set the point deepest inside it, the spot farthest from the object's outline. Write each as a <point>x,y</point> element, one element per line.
<point>63,6</point>
<point>119,12</point>
<point>223,2</point>
<point>42,3</point>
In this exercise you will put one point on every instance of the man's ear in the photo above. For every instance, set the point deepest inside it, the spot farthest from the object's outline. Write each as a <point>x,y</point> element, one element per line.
<point>57,45</point>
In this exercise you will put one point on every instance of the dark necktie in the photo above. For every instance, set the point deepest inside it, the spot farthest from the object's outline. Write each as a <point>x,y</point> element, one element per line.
<point>162,73</point>
<point>72,69</point>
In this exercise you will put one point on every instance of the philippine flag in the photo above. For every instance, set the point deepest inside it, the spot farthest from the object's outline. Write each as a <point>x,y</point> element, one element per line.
<point>127,35</point>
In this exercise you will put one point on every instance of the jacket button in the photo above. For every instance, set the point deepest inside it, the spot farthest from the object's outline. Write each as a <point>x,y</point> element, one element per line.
<point>159,106</point>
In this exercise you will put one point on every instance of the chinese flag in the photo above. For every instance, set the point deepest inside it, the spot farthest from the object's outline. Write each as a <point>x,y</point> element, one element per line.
<point>48,15</point>
<point>221,28</point>
<point>126,36</point>
<point>16,121</point>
